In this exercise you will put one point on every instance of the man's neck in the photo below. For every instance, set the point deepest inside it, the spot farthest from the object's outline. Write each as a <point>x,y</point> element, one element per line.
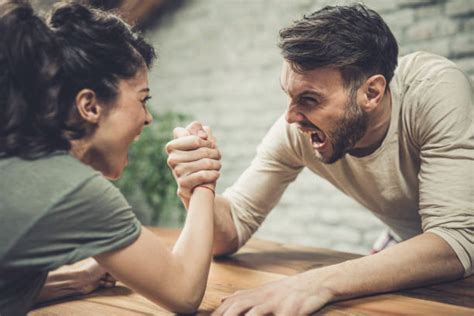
<point>378,125</point>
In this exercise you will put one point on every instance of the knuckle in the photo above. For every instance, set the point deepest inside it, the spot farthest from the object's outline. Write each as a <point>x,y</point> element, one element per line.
<point>208,163</point>
<point>181,183</point>
<point>201,177</point>
<point>178,171</point>
<point>168,147</point>
<point>171,162</point>
<point>197,141</point>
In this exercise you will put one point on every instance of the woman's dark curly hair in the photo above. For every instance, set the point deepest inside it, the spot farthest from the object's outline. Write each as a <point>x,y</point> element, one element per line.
<point>44,65</point>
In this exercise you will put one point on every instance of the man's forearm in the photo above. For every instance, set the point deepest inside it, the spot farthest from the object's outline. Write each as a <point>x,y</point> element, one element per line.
<point>225,233</point>
<point>422,260</point>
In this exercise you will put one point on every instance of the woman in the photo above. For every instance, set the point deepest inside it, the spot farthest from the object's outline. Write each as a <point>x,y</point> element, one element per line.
<point>73,98</point>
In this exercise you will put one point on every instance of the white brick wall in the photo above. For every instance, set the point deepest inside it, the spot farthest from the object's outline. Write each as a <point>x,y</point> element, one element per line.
<point>218,61</point>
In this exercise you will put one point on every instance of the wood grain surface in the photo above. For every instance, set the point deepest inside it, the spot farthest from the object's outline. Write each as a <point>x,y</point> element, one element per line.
<point>259,262</point>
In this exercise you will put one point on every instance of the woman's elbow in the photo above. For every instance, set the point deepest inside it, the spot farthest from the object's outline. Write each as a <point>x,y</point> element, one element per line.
<point>187,305</point>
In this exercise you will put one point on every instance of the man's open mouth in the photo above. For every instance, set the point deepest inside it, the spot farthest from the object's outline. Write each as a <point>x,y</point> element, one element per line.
<point>317,136</point>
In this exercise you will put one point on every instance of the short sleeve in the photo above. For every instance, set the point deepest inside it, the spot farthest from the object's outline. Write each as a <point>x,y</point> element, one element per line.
<point>91,219</point>
<point>445,134</point>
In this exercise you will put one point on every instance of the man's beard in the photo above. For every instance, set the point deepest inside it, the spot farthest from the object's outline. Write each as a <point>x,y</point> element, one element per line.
<point>349,130</point>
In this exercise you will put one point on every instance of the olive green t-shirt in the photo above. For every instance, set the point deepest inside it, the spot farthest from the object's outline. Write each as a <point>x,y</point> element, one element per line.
<point>54,211</point>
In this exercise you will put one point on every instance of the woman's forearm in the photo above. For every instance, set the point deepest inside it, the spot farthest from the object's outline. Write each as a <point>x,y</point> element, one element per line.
<point>194,246</point>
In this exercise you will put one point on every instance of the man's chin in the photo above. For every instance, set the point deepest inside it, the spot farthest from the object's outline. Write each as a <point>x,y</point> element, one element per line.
<point>327,159</point>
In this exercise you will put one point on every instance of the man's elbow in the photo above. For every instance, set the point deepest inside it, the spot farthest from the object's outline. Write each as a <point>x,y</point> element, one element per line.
<point>227,247</point>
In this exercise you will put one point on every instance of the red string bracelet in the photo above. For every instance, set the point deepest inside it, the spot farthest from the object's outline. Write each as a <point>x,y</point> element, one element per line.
<point>206,187</point>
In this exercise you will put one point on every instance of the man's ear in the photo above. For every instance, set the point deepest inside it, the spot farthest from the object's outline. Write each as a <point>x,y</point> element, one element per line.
<point>373,91</point>
<point>88,106</point>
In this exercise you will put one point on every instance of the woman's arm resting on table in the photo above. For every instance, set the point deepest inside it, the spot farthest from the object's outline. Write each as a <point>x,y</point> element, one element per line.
<point>80,279</point>
<point>422,260</point>
<point>174,279</point>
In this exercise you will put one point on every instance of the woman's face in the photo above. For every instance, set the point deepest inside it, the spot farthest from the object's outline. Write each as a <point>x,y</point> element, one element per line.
<point>120,125</point>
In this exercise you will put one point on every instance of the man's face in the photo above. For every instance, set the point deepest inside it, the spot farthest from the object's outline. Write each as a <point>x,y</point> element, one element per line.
<point>324,110</point>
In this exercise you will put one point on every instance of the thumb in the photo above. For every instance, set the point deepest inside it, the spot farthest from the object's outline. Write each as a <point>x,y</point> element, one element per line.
<point>210,137</point>
<point>180,132</point>
<point>196,128</point>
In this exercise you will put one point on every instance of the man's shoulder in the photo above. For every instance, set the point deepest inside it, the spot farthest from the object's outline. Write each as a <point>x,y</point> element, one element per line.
<point>428,87</point>
<point>420,67</point>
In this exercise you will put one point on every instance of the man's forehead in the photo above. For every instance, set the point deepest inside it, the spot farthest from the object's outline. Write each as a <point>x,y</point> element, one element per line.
<point>320,79</point>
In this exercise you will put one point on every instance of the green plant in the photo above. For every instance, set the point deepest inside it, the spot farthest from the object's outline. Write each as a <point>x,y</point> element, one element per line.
<point>147,182</point>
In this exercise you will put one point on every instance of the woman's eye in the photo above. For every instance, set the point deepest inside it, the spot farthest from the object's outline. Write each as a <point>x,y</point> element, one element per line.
<point>145,101</point>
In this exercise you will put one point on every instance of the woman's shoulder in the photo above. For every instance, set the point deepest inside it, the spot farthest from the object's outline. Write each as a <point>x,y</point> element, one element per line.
<point>35,184</point>
<point>59,166</point>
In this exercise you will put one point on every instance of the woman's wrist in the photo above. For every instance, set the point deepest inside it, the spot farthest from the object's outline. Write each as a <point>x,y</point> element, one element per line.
<point>206,187</point>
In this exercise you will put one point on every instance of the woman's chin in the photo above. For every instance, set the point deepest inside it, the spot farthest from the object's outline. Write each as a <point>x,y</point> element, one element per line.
<point>115,173</point>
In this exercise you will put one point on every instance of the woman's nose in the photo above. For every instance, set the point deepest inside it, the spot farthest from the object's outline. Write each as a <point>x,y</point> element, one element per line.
<point>148,117</point>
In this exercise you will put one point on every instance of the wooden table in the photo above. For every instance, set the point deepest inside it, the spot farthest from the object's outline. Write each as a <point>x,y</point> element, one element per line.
<point>261,261</point>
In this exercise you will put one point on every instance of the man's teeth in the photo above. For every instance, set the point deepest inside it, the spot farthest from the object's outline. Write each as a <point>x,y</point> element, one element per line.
<point>316,136</point>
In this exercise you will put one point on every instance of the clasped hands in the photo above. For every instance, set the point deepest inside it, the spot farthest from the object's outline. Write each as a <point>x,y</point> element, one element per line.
<point>195,160</point>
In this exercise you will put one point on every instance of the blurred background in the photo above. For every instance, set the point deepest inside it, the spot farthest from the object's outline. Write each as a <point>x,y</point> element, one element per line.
<point>219,63</point>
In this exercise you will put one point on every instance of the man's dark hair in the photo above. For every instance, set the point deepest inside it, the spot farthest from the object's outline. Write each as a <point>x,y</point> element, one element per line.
<point>43,67</point>
<point>353,39</point>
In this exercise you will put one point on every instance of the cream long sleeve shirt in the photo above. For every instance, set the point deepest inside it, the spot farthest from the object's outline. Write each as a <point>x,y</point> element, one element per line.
<point>421,178</point>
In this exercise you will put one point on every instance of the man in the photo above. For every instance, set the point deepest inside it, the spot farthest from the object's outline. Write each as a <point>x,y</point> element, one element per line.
<point>400,143</point>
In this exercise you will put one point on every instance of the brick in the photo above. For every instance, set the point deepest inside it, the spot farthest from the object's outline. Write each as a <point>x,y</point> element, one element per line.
<point>428,11</point>
<point>381,6</point>
<point>460,7</point>
<point>438,46</point>
<point>466,64</point>
<point>468,24</point>
<point>462,44</point>
<point>431,28</point>
<point>399,18</point>
<point>413,3</point>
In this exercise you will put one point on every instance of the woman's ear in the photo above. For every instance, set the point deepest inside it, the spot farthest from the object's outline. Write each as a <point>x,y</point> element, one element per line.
<point>87,106</point>
<point>373,90</point>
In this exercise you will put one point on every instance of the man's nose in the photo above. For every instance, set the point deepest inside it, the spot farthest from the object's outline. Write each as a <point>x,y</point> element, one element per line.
<point>292,114</point>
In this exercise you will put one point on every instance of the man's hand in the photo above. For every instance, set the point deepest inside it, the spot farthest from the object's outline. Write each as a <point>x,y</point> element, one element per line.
<point>289,296</point>
<point>193,159</point>
<point>80,279</point>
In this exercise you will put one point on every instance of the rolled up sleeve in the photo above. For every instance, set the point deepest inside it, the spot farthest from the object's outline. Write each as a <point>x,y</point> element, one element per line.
<point>446,139</point>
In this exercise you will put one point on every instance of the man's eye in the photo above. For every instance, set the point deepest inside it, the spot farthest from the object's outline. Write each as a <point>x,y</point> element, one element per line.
<point>308,101</point>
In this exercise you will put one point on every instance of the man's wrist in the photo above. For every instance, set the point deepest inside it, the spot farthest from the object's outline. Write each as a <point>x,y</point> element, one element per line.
<point>322,282</point>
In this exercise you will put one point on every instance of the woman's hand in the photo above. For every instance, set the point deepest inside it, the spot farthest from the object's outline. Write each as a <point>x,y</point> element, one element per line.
<point>193,158</point>
<point>82,278</point>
